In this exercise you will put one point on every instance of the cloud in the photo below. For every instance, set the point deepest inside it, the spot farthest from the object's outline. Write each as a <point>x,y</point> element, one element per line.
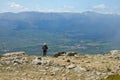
<point>100,6</point>
<point>46,10</point>
<point>64,8</point>
<point>43,9</point>
<point>17,7</point>
<point>68,7</point>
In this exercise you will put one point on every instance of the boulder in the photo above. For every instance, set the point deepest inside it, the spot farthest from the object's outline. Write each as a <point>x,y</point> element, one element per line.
<point>71,66</point>
<point>115,54</point>
<point>59,54</point>
<point>46,62</point>
<point>71,53</point>
<point>18,62</point>
<point>37,61</point>
<point>65,54</point>
<point>14,54</point>
<point>40,61</point>
<point>79,68</point>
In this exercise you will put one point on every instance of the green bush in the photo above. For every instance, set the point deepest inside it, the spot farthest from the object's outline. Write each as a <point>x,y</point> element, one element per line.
<point>1,56</point>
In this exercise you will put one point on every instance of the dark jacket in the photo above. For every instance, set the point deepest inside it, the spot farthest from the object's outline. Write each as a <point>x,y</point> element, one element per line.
<point>44,48</point>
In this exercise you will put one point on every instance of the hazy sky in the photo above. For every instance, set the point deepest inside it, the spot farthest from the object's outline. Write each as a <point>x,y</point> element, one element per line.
<point>102,6</point>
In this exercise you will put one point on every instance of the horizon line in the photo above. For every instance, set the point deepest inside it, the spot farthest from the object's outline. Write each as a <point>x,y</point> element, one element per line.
<point>62,12</point>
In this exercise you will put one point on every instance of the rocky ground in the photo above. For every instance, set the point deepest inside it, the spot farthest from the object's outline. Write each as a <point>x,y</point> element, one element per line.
<point>63,66</point>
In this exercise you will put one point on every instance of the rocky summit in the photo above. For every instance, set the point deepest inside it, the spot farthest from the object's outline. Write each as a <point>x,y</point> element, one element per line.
<point>63,66</point>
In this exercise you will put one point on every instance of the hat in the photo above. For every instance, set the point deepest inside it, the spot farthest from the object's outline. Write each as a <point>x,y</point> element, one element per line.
<point>44,44</point>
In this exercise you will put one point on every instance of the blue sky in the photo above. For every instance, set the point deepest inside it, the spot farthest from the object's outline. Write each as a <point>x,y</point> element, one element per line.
<point>101,6</point>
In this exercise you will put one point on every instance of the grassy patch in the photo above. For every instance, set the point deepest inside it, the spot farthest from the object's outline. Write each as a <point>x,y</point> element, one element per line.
<point>113,77</point>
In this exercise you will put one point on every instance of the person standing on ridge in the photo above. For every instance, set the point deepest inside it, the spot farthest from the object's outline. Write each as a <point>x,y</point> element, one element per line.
<point>44,48</point>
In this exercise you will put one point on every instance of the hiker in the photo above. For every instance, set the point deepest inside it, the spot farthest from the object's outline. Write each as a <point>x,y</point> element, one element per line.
<point>44,48</point>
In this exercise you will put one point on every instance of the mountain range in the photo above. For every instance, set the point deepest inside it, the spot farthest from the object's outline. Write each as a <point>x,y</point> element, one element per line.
<point>86,32</point>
